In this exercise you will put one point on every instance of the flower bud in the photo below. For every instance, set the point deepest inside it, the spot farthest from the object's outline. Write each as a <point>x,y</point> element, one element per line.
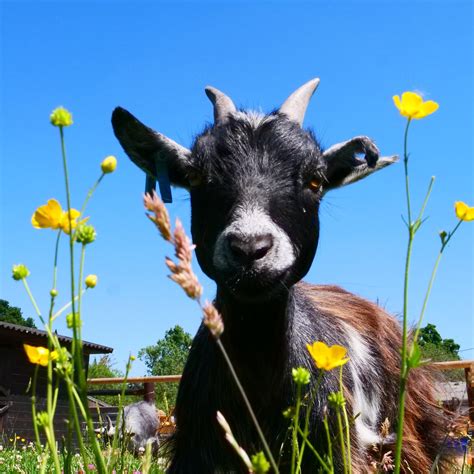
<point>42,418</point>
<point>60,117</point>
<point>85,234</point>
<point>19,272</point>
<point>132,358</point>
<point>260,465</point>
<point>109,164</point>
<point>72,321</point>
<point>91,281</point>
<point>63,362</point>
<point>336,399</point>
<point>301,376</point>
<point>54,292</point>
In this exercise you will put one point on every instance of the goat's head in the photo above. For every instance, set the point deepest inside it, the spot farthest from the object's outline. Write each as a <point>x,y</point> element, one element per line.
<point>256,182</point>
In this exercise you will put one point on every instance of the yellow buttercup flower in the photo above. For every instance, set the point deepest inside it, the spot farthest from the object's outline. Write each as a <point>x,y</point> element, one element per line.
<point>413,106</point>
<point>39,355</point>
<point>109,164</point>
<point>52,216</point>
<point>463,211</point>
<point>325,357</point>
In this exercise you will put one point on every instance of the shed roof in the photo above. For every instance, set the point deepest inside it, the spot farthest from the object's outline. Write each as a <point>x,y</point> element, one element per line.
<point>12,332</point>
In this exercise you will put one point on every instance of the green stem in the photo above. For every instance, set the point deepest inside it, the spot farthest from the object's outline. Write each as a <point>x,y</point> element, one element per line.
<point>55,265</point>
<point>328,439</point>
<point>32,299</point>
<point>295,427</point>
<point>403,362</point>
<point>65,307</point>
<point>55,396</point>
<point>119,425</point>
<point>248,406</point>
<point>99,458</point>
<point>53,448</point>
<point>341,438</point>
<point>75,419</point>
<point>33,409</point>
<point>79,303</point>
<point>346,421</point>
<point>76,342</point>
<point>51,397</point>
<point>76,345</point>
<point>306,421</point>
<point>90,193</point>
<point>311,447</point>
<point>405,162</point>
<point>427,196</point>
<point>431,281</point>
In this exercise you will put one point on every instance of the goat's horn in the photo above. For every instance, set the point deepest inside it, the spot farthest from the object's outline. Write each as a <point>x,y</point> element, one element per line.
<point>223,105</point>
<point>295,106</point>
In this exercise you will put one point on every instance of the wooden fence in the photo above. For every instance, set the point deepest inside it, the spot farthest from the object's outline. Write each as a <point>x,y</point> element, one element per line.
<point>148,388</point>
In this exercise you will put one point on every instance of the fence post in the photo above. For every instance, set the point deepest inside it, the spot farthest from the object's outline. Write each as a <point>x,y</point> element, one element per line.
<point>469,373</point>
<point>149,392</point>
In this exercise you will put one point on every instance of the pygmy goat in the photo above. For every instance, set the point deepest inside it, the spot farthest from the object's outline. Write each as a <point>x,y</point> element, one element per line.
<point>256,183</point>
<point>139,426</point>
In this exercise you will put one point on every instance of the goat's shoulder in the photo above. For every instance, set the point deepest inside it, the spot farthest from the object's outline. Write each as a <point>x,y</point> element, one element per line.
<point>365,317</point>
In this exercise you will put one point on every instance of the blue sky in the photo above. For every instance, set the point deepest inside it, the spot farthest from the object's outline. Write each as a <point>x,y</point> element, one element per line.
<point>155,59</point>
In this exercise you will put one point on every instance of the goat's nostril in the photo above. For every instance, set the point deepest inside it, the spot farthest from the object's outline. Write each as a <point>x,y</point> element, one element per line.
<point>247,249</point>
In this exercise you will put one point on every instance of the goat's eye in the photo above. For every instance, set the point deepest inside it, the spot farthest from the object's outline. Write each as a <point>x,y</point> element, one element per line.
<point>194,178</point>
<point>314,184</point>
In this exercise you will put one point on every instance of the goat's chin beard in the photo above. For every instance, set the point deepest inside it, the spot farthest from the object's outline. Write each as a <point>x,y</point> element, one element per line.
<point>253,287</point>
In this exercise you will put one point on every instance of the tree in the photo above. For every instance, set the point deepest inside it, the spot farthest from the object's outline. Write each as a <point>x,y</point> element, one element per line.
<point>167,357</point>
<point>437,349</point>
<point>429,336</point>
<point>13,315</point>
<point>103,368</point>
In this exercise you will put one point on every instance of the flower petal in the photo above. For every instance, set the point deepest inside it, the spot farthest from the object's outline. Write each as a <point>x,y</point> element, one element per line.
<point>411,102</point>
<point>43,356</point>
<point>427,108</point>
<point>337,352</point>
<point>54,207</point>
<point>397,102</point>
<point>411,99</point>
<point>31,353</point>
<point>48,215</point>
<point>463,211</point>
<point>74,214</point>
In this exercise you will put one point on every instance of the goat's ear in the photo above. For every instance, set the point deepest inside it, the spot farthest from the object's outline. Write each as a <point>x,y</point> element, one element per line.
<point>110,423</point>
<point>149,149</point>
<point>343,165</point>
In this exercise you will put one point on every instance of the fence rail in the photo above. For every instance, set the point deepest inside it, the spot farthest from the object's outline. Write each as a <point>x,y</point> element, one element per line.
<point>148,390</point>
<point>152,379</point>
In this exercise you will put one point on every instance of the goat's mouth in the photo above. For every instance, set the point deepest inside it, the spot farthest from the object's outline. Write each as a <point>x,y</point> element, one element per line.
<point>253,285</point>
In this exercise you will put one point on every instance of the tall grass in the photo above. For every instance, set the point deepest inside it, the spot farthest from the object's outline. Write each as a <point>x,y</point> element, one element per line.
<point>65,364</point>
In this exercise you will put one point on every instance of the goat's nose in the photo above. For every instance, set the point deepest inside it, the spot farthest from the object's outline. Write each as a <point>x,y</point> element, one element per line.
<point>249,248</point>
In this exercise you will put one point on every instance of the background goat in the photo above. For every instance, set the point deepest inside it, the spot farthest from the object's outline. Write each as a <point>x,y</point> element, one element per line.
<point>139,425</point>
<point>256,183</point>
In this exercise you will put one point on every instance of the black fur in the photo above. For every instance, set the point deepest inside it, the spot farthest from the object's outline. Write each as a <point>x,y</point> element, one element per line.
<point>273,163</point>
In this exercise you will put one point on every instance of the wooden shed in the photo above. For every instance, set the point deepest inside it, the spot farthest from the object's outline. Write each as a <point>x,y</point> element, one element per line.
<point>15,374</point>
